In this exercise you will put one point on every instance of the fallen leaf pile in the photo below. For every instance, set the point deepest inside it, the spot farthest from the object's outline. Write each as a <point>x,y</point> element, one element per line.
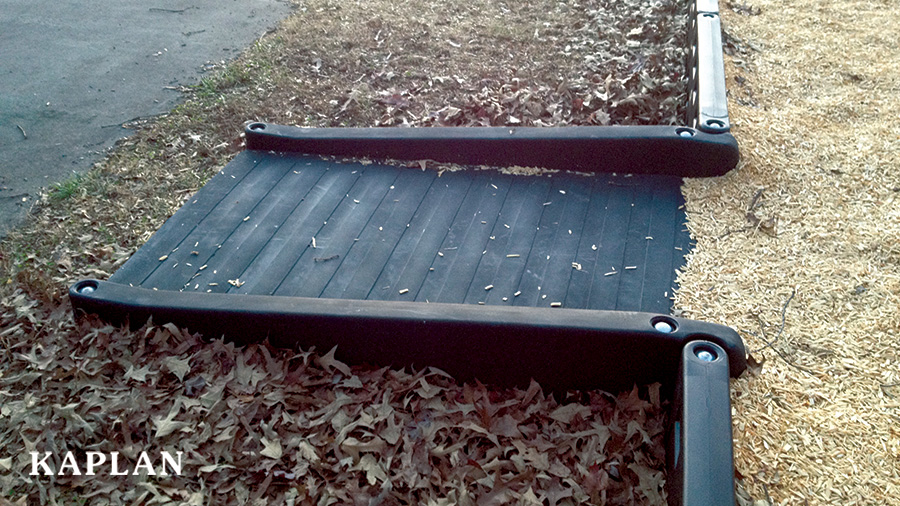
<point>482,63</point>
<point>258,425</point>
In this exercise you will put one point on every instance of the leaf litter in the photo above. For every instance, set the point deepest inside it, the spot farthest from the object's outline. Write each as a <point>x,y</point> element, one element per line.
<point>262,425</point>
<point>550,63</point>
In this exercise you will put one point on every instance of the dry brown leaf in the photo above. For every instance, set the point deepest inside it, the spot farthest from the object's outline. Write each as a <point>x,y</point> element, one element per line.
<point>138,374</point>
<point>565,414</point>
<point>271,449</point>
<point>506,426</point>
<point>167,425</point>
<point>177,366</point>
<point>650,482</point>
<point>374,472</point>
<point>330,363</point>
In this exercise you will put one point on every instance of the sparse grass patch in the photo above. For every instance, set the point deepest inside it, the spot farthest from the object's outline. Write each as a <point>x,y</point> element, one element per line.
<point>67,188</point>
<point>230,77</point>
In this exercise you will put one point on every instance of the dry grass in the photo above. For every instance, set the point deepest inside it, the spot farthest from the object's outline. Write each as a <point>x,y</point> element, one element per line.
<point>815,109</point>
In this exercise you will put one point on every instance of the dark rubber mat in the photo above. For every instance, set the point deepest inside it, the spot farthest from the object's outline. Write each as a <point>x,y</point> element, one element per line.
<point>292,225</point>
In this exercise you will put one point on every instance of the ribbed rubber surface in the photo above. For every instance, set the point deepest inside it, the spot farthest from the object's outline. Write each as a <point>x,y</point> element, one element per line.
<point>386,233</point>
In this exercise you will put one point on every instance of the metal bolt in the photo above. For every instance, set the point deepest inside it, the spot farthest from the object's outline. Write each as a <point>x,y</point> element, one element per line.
<point>86,289</point>
<point>686,133</point>
<point>706,355</point>
<point>664,327</point>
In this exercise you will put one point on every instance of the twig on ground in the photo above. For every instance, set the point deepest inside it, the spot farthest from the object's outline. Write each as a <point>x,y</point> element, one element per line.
<point>754,221</point>
<point>768,497</point>
<point>742,229</point>
<point>24,135</point>
<point>780,329</point>
<point>889,390</point>
<point>137,119</point>
<point>174,11</point>
<point>780,354</point>
<point>16,196</point>
<point>769,344</point>
<point>755,200</point>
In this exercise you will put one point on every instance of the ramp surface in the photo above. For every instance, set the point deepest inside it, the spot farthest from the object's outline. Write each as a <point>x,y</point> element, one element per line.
<point>300,226</point>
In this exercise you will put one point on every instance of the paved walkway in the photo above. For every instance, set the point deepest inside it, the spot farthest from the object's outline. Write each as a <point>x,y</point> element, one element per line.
<point>72,71</point>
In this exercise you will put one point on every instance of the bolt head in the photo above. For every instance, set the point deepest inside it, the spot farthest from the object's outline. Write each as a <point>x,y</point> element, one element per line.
<point>706,355</point>
<point>664,327</point>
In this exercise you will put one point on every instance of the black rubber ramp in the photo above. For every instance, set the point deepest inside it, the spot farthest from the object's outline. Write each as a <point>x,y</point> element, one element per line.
<point>292,225</point>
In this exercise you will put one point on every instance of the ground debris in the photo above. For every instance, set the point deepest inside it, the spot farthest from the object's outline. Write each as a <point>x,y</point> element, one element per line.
<point>563,63</point>
<point>307,426</point>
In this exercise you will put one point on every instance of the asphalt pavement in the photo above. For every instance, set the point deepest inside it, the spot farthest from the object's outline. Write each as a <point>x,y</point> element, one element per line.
<point>73,71</point>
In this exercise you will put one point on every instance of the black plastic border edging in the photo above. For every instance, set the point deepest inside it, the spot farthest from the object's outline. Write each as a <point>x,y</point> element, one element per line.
<point>707,102</point>
<point>703,149</point>
<point>678,151</point>
<point>700,458</point>
<point>560,348</point>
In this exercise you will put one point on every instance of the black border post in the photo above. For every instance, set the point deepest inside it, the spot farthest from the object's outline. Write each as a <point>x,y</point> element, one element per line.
<point>700,455</point>
<point>707,94</point>
<point>672,150</point>
<point>560,348</point>
<point>712,102</point>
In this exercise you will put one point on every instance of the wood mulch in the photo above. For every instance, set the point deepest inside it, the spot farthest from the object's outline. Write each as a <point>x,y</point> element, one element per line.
<point>799,249</point>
